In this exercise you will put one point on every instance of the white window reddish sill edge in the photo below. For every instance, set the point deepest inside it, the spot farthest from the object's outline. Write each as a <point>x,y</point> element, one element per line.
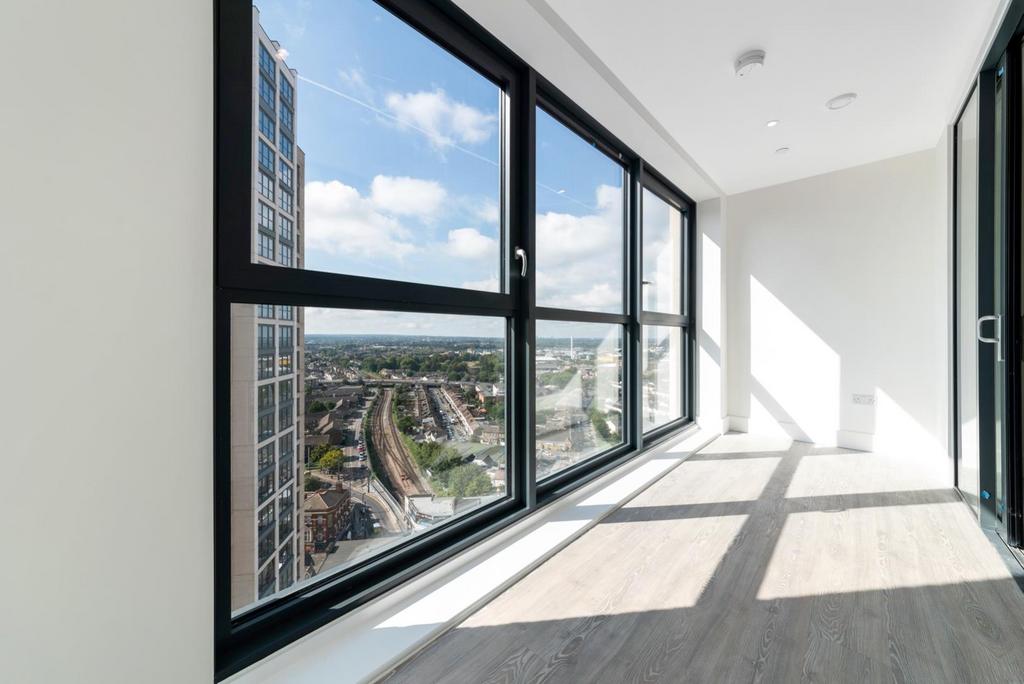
<point>374,638</point>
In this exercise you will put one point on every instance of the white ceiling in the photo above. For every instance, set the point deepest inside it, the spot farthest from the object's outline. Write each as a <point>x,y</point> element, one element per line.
<point>909,61</point>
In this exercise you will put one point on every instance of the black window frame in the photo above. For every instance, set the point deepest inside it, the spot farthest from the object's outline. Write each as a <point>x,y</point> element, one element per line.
<point>665,191</point>
<point>285,617</point>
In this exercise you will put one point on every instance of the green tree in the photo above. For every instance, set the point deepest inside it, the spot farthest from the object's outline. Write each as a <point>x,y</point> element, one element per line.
<point>406,424</point>
<point>311,484</point>
<point>332,461</point>
<point>463,480</point>
<point>317,453</point>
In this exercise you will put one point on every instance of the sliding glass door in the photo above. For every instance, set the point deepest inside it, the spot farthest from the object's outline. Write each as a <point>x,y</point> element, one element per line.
<point>985,204</point>
<point>968,460</point>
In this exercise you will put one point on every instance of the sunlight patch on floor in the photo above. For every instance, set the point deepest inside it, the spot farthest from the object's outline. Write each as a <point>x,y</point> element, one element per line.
<point>716,481</point>
<point>858,472</point>
<point>871,549</point>
<point>590,578</point>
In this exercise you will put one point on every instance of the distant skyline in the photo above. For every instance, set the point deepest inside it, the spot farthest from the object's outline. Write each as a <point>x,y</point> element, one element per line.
<point>403,145</point>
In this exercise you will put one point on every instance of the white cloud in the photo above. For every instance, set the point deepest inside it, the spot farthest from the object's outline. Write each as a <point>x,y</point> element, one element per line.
<point>340,221</point>
<point>579,262</point>
<point>366,322</point>
<point>406,196</point>
<point>485,285</point>
<point>469,243</point>
<point>488,211</point>
<point>355,80</point>
<point>443,120</point>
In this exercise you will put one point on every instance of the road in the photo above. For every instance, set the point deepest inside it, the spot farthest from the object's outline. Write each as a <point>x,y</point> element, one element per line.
<point>387,443</point>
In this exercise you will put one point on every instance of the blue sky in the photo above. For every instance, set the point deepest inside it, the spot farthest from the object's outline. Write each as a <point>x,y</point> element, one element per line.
<point>402,144</point>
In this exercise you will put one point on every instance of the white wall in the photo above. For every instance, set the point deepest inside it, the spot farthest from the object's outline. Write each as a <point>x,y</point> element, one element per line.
<point>712,354</point>
<point>107,289</point>
<point>838,285</point>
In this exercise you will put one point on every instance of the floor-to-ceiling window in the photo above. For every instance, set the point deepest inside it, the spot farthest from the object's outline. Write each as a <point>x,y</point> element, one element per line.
<point>445,296</point>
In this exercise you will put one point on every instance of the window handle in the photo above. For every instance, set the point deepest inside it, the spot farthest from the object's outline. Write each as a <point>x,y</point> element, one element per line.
<point>998,339</point>
<point>521,254</point>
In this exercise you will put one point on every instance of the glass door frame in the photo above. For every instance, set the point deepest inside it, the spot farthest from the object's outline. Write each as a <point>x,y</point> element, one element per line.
<point>999,218</point>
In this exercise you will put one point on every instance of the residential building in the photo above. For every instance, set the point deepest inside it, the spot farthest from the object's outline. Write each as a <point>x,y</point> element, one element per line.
<point>326,514</point>
<point>267,349</point>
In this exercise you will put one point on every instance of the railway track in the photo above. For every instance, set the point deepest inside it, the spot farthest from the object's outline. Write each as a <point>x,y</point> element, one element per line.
<point>396,459</point>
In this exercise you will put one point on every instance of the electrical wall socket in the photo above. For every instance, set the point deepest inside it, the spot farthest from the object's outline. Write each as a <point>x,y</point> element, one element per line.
<point>864,399</point>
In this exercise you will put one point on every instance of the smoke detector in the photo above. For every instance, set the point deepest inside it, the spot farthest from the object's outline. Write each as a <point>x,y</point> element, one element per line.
<point>840,101</point>
<point>749,62</point>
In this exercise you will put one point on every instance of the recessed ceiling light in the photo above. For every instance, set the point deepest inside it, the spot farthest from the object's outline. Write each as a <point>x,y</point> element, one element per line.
<point>782,150</point>
<point>749,62</point>
<point>773,123</point>
<point>840,101</point>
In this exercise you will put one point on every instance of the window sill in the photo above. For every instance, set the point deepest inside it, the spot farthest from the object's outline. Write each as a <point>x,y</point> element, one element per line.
<point>376,637</point>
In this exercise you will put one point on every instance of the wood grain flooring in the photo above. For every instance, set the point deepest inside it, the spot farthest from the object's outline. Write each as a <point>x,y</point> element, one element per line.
<point>757,561</point>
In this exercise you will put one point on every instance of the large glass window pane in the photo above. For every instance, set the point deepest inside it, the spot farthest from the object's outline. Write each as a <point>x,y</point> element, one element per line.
<point>402,146</point>
<point>396,420</point>
<point>580,222</point>
<point>579,392</point>
<point>662,255</point>
<point>661,375</point>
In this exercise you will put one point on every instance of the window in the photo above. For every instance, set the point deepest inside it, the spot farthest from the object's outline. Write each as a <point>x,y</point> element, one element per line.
<point>268,579</point>
<point>266,61</point>
<point>663,255</point>
<point>579,392</point>
<point>287,120</point>
<point>287,91</point>
<point>662,354</point>
<point>265,460</point>
<point>266,398</point>
<point>266,156</point>
<point>665,326</point>
<point>285,416</point>
<point>285,258</point>
<point>265,364</point>
<point>418,358</point>
<point>265,246</point>
<point>285,514</point>
<point>267,125</point>
<point>579,357</point>
<point>285,173</point>
<point>580,221</point>
<point>265,532</point>
<point>265,337</point>
<point>266,93</point>
<point>285,225</point>
<point>286,147</point>
<point>266,186</point>
<point>266,425</point>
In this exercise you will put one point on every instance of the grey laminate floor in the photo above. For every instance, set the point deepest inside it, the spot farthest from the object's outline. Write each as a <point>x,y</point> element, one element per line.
<point>757,560</point>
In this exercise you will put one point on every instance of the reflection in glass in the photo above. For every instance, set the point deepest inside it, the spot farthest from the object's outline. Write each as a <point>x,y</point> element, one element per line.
<point>661,375</point>
<point>390,425</point>
<point>663,255</point>
<point>580,222</point>
<point>579,392</point>
<point>397,145</point>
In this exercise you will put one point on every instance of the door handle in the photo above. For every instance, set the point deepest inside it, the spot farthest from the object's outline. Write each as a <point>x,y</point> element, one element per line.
<point>998,339</point>
<point>521,254</point>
